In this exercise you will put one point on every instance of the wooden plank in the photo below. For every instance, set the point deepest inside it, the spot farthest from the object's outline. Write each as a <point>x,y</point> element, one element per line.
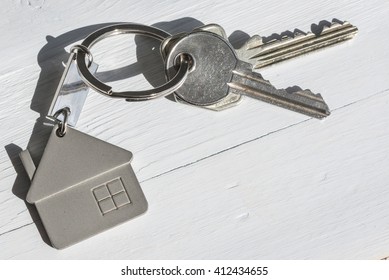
<point>301,198</point>
<point>174,145</point>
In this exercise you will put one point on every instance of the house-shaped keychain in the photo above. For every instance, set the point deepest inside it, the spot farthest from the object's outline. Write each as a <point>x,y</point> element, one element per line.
<point>82,186</point>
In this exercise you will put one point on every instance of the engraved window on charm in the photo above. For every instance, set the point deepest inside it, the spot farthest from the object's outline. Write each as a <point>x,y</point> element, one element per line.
<point>111,196</point>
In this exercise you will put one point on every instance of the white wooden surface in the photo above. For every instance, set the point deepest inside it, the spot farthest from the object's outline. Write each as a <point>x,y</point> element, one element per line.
<point>254,181</point>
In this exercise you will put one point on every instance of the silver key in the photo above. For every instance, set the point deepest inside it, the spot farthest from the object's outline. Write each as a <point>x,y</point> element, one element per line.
<point>260,53</point>
<point>217,73</point>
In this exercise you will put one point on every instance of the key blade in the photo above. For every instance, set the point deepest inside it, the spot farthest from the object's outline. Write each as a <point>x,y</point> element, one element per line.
<point>253,85</point>
<point>261,54</point>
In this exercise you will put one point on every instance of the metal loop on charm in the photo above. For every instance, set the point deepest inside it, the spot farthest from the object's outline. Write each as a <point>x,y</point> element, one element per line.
<point>77,48</point>
<point>136,29</point>
<point>62,125</point>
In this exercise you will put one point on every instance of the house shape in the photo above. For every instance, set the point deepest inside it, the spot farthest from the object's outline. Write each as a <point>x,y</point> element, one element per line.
<point>82,186</point>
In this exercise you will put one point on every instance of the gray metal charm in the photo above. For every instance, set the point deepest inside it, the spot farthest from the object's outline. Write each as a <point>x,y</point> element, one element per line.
<point>82,186</point>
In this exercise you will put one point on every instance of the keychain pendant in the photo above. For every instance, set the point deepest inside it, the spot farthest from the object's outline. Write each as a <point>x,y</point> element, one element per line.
<point>82,186</point>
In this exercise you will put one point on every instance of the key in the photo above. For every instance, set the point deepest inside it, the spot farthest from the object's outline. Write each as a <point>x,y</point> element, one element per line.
<point>216,72</point>
<point>260,53</point>
<point>247,82</point>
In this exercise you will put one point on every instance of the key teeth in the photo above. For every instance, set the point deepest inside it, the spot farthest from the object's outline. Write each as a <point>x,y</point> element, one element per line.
<point>298,33</point>
<point>254,42</point>
<point>323,26</point>
<point>335,24</point>
<point>284,37</point>
<point>310,92</point>
<point>315,97</point>
<point>265,51</point>
<point>304,92</point>
<point>296,89</point>
<point>326,27</point>
<point>337,21</point>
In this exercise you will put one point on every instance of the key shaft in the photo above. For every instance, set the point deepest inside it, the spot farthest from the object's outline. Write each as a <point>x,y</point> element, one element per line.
<point>261,54</point>
<point>252,84</point>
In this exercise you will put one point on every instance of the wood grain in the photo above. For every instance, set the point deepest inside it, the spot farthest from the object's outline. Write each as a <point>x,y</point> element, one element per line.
<point>254,181</point>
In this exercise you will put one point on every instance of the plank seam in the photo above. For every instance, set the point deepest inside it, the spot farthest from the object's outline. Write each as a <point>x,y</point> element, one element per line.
<point>233,147</point>
<point>259,137</point>
<point>15,229</point>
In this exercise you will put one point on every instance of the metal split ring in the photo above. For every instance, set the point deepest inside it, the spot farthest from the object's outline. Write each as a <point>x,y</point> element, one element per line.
<point>62,125</point>
<point>129,28</point>
<point>77,48</point>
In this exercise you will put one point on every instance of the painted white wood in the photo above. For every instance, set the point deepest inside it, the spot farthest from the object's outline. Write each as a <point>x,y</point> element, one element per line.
<point>254,181</point>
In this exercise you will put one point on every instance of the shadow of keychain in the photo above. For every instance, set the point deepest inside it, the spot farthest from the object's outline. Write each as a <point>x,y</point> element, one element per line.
<point>83,185</point>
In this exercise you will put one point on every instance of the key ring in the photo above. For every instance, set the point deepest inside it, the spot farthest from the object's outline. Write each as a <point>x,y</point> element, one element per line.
<point>81,48</point>
<point>128,28</point>
<point>62,125</point>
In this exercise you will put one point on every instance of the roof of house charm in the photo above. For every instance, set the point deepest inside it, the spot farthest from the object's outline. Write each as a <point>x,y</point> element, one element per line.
<point>82,186</point>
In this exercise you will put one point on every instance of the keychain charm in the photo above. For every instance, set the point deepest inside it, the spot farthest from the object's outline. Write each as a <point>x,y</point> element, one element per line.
<point>83,185</point>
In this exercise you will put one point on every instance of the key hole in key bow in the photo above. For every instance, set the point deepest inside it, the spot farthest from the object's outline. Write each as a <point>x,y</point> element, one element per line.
<point>187,57</point>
